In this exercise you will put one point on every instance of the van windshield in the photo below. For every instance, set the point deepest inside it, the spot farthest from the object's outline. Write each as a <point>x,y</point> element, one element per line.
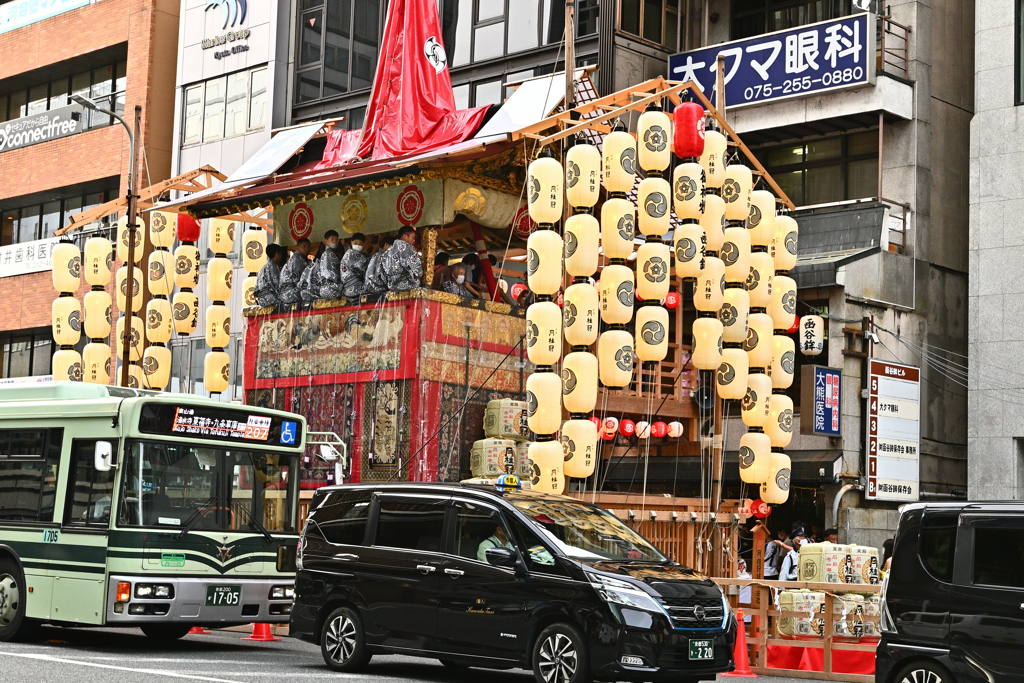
<point>586,532</point>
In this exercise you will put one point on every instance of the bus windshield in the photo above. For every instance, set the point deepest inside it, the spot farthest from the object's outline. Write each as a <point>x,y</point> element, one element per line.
<point>200,487</point>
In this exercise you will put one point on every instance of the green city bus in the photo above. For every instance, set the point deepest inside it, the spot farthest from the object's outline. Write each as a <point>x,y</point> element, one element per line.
<point>121,507</point>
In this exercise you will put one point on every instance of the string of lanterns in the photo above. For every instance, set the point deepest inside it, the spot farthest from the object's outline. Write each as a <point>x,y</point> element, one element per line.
<point>217,364</point>
<point>129,323</point>
<point>156,359</point>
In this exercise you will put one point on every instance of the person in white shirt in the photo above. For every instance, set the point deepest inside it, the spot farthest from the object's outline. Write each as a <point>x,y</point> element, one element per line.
<point>790,570</point>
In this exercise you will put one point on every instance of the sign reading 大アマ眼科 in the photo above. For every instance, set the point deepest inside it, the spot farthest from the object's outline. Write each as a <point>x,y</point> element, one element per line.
<point>894,431</point>
<point>24,12</point>
<point>42,127</point>
<point>791,63</point>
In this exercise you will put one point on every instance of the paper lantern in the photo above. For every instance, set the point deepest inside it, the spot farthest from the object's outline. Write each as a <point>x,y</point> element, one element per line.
<point>162,228</point>
<point>651,333</point>
<point>736,192</point>
<point>254,249</point>
<point>186,266</point>
<point>675,430</point>
<point>689,250</point>
<point>582,174</point>
<point>735,255</point>
<point>582,245</point>
<point>221,237</point>
<point>627,428</point>
<point>759,279</point>
<point>579,382</point>
<point>783,361</point>
<point>688,191</point>
<point>122,289</point>
<point>96,363</point>
<point>688,130</point>
<point>755,456</point>
<point>218,326</point>
<point>186,312</point>
<point>156,367</point>
<point>619,156</point>
<point>67,366</point>
<point>134,339</point>
<point>547,462</point>
<point>579,448</point>
<point>122,240</point>
<point>734,313</point>
<point>707,343</point>
<point>756,401</point>
<point>783,306</point>
<point>761,219</point>
<point>544,333</point>
<point>775,489</point>
<point>659,430</point>
<point>812,335</point>
<point>783,246</point>
<point>709,290</point>
<point>543,402</point>
<point>643,430</point>
<point>618,228</point>
<point>671,301</point>
<point>616,295</point>
<point>99,257</point>
<point>544,262</point>
<point>580,312</point>
<point>216,371</point>
<point>219,273</point>
<point>97,314</point>
<point>731,377</point>
<point>758,343</point>
<point>249,291</point>
<point>67,267</point>
<point>653,271</point>
<point>653,206</point>
<point>66,320</point>
<point>188,228</point>
<point>713,222</point>
<point>779,427</point>
<point>544,186</point>
<point>161,273</point>
<point>654,139</point>
<point>615,358</point>
<point>608,428</point>
<point>158,321</point>
<point>712,159</point>
<point>136,379</point>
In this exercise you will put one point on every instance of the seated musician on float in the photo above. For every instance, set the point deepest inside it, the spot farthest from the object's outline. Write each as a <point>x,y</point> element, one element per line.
<point>330,267</point>
<point>353,267</point>
<point>401,264</point>
<point>309,283</point>
<point>374,283</point>
<point>268,280</point>
<point>454,282</point>
<point>291,274</point>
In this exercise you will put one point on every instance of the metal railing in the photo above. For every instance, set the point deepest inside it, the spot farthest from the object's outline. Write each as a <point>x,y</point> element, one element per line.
<point>893,54</point>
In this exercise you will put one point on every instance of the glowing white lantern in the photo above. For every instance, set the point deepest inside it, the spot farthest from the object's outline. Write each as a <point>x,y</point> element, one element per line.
<point>543,402</point>
<point>122,241</point>
<point>186,312</point>
<point>218,326</point>
<point>97,314</point>
<point>709,290</point>
<point>156,367</point>
<point>579,382</point>
<point>654,139</point>
<point>254,249</point>
<point>67,267</point>
<point>651,333</point>
<point>216,371</point>
<point>219,273</point>
<point>775,489</point>
<point>544,189</point>
<point>618,228</point>
<point>759,279</point>
<point>707,343</point>
<point>134,339</point>
<point>734,313</point>
<point>547,462</point>
<point>783,246</point>
<point>653,204</point>
<point>653,271</point>
<point>783,305</point>
<point>96,363</point>
<point>755,456</point>
<point>758,343</point>
<point>544,333</point>
<point>688,190</point>
<point>579,448</point>
<point>736,192</point>
<point>713,158</point>
<point>162,227</point>
<point>615,358</point>
<point>780,420</point>
<point>616,295</point>
<point>731,377</point>
<point>811,335</point>
<point>783,360</point>
<point>122,289</point>
<point>757,401</point>
<point>99,257</point>
<point>186,266</point>
<point>582,174</point>
<point>761,220</point>
<point>582,239</point>
<point>544,262</point>
<point>689,250</point>
<point>619,152</point>
<point>161,272</point>
<point>735,255</point>
<point>158,321</point>
<point>66,320</point>
<point>713,222</point>
<point>66,366</point>
<point>221,236</point>
<point>580,309</point>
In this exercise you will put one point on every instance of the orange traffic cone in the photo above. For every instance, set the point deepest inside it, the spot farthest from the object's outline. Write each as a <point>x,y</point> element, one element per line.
<point>740,652</point>
<point>261,634</point>
<point>198,631</point>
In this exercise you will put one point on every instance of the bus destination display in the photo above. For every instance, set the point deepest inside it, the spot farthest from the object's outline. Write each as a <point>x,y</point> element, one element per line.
<point>186,421</point>
<point>224,424</point>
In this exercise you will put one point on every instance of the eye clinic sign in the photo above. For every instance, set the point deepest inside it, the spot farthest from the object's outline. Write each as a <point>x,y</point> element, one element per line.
<point>42,127</point>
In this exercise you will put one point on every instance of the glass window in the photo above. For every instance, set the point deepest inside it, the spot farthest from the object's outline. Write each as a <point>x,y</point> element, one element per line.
<point>193,115</point>
<point>102,86</point>
<point>512,78</point>
<point>538,557</point>
<point>999,556</point>
<point>586,17</point>
<point>341,518</point>
<point>823,184</point>
<point>3,108</point>
<point>524,26</point>
<point>8,227</point>
<point>672,25</point>
<point>629,17</point>
<point>28,228</point>
<point>309,48</point>
<point>42,355</point>
<point>461,93</point>
<point>410,525</point>
<point>489,9</point>
<point>235,108</point>
<point>337,47</point>
<point>18,104</point>
<point>356,117</point>
<point>258,99</point>
<point>309,86</point>
<point>89,490</point>
<point>488,93</point>
<point>754,17</point>
<point>59,94</point>
<point>38,99</point>
<point>862,179</point>
<point>120,85</point>
<point>81,84</point>
<point>213,111</point>
<point>478,528</point>
<point>29,461</point>
<point>51,218</point>
<point>553,16</point>
<point>652,20</point>
<point>938,544</point>
<point>824,149</point>
<point>489,42</point>
<point>456,27</point>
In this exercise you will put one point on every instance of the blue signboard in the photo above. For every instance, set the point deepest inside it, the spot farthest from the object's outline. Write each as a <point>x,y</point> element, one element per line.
<point>792,63</point>
<point>24,12</point>
<point>827,413</point>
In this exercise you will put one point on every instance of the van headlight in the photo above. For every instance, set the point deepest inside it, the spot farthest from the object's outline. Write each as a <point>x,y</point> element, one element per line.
<point>624,593</point>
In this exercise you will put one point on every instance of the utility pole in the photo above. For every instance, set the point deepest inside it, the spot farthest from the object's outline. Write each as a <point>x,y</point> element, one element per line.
<point>132,231</point>
<point>570,53</point>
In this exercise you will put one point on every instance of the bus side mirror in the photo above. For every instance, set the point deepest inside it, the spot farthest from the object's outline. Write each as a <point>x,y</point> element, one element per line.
<point>104,456</point>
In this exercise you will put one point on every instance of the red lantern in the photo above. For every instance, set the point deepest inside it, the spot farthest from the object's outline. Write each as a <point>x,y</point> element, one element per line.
<point>627,428</point>
<point>517,289</point>
<point>689,130</point>
<point>760,509</point>
<point>795,326</point>
<point>611,425</point>
<point>659,429</point>
<point>558,299</point>
<point>671,301</point>
<point>596,421</point>
<point>188,228</point>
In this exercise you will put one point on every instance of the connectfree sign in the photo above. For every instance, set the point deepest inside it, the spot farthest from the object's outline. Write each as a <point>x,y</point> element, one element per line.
<point>894,431</point>
<point>796,62</point>
<point>49,125</point>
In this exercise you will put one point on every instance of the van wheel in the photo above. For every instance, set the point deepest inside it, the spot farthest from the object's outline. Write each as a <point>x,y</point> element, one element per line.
<point>560,656</point>
<point>165,632</point>
<point>13,624</point>
<point>343,641</point>
<point>923,672</point>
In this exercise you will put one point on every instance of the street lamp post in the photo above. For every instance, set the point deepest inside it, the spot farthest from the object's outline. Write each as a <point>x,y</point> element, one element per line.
<point>132,198</point>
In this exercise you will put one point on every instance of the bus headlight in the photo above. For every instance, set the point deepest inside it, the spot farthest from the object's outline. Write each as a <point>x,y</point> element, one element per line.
<point>282,593</point>
<point>153,590</point>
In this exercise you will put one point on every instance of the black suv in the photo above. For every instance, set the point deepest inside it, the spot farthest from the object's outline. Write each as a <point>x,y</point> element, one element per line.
<point>501,578</point>
<point>953,602</point>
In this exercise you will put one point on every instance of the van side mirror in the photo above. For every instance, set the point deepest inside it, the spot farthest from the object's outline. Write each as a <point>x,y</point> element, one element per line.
<point>103,458</point>
<point>501,557</point>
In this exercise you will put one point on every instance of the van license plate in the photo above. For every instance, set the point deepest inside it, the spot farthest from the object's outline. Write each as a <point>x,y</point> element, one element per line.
<point>218,596</point>
<point>702,649</point>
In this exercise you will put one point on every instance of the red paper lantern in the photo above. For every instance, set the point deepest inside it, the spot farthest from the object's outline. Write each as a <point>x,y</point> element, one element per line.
<point>627,428</point>
<point>760,509</point>
<point>795,326</point>
<point>671,301</point>
<point>558,299</point>
<point>517,289</point>
<point>596,421</point>
<point>688,139</point>
<point>659,429</point>
<point>611,425</point>
<point>188,228</point>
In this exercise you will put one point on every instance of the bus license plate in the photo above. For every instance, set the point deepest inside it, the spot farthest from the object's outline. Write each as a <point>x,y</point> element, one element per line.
<point>218,596</point>
<point>702,649</point>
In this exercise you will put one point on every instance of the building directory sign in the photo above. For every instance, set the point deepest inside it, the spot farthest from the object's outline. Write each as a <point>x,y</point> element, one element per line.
<point>41,127</point>
<point>894,431</point>
<point>24,12</point>
<point>821,389</point>
<point>806,60</point>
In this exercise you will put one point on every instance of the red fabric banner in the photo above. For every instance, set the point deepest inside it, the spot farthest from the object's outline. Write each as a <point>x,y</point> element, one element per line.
<point>341,147</point>
<point>412,106</point>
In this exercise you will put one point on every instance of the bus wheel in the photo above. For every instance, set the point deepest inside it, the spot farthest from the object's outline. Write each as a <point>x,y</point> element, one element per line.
<point>12,601</point>
<point>165,631</point>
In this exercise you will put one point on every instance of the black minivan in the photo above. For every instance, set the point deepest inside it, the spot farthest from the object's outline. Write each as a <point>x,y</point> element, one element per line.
<point>500,578</point>
<point>953,601</point>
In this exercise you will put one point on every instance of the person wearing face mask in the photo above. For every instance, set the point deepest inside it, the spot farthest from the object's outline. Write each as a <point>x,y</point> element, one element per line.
<point>291,274</point>
<point>330,267</point>
<point>473,273</point>
<point>790,570</point>
<point>455,282</point>
<point>402,265</point>
<point>353,267</point>
<point>374,284</point>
